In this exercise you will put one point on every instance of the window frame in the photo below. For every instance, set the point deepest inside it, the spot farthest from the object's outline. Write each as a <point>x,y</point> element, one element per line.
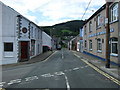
<point>98,21</point>
<point>114,12</point>
<point>85,44</point>
<point>85,30</point>
<point>90,26</point>
<point>10,49</point>
<point>113,42</point>
<point>90,45</point>
<point>99,45</point>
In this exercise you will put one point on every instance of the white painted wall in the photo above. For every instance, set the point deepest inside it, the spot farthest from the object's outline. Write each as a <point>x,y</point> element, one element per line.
<point>36,34</point>
<point>9,34</point>
<point>24,23</point>
<point>46,40</point>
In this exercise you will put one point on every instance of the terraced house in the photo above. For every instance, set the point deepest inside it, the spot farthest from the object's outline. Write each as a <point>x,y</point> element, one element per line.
<point>95,33</point>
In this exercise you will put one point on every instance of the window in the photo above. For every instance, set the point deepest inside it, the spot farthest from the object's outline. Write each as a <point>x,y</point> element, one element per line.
<point>85,44</point>
<point>90,26</point>
<point>8,47</point>
<point>85,30</point>
<point>99,45</point>
<point>32,32</point>
<point>114,12</point>
<point>114,46</point>
<point>98,21</point>
<point>90,44</point>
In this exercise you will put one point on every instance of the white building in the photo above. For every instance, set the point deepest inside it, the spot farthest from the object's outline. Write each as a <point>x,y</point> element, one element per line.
<point>8,35</point>
<point>46,42</point>
<point>20,39</point>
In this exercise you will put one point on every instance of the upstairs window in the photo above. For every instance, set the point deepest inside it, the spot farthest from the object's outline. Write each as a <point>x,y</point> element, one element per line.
<point>114,12</point>
<point>32,35</point>
<point>90,26</point>
<point>98,21</point>
<point>85,30</point>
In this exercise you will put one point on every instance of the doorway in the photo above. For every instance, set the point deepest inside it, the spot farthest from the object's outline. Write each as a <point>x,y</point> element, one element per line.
<point>24,51</point>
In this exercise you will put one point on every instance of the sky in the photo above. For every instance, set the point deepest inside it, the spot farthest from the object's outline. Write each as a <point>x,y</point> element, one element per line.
<point>51,12</point>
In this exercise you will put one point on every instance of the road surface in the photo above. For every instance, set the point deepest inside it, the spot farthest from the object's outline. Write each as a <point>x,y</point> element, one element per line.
<point>61,70</point>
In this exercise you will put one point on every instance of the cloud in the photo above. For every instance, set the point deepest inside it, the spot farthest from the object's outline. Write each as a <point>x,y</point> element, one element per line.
<point>50,12</point>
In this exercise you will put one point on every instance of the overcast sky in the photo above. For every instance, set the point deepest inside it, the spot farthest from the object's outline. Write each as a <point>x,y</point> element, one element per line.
<point>50,12</point>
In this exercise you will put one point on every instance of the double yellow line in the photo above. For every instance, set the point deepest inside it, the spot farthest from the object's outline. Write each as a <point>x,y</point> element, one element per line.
<point>101,72</point>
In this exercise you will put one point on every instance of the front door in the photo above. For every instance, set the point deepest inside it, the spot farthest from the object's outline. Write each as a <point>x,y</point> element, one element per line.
<point>24,51</point>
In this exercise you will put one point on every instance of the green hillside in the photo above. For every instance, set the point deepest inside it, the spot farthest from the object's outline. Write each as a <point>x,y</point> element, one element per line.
<point>70,28</point>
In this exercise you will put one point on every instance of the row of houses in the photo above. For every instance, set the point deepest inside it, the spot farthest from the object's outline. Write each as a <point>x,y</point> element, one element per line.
<point>92,38</point>
<point>20,38</point>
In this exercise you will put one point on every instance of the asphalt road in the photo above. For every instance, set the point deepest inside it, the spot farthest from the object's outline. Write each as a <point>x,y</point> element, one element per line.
<point>62,70</point>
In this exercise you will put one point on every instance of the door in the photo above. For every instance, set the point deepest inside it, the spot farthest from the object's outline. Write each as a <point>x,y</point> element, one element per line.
<point>24,51</point>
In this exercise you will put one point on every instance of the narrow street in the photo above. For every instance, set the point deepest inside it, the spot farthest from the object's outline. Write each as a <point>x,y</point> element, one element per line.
<point>61,70</point>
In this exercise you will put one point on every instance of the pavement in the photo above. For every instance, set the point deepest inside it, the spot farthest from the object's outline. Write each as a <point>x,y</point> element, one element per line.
<point>114,70</point>
<point>38,58</point>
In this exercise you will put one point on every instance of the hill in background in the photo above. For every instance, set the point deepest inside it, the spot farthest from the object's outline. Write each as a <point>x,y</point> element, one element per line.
<point>64,32</point>
<point>70,28</point>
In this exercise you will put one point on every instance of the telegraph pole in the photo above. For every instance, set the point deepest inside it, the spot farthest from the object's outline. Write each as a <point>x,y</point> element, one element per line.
<point>119,33</point>
<point>107,36</point>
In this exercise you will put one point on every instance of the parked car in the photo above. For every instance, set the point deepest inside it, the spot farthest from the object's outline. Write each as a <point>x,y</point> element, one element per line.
<point>59,47</point>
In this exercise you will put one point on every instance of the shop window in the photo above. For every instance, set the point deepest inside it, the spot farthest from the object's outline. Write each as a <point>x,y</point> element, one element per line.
<point>114,13</point>
<point>90,44</point>
<point>99,45</point>
<point>114,46</point>
<point>8,47</point>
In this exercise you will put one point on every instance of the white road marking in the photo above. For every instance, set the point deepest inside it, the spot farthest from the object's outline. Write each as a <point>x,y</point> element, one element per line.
<point>67,83</point>
<point>62,56</point>
<point>47,75</point>
<point>75,68</point>
<point>14,81</point>
<point>31,78</point>
<point>59,73</point>
<point>2,84</point>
